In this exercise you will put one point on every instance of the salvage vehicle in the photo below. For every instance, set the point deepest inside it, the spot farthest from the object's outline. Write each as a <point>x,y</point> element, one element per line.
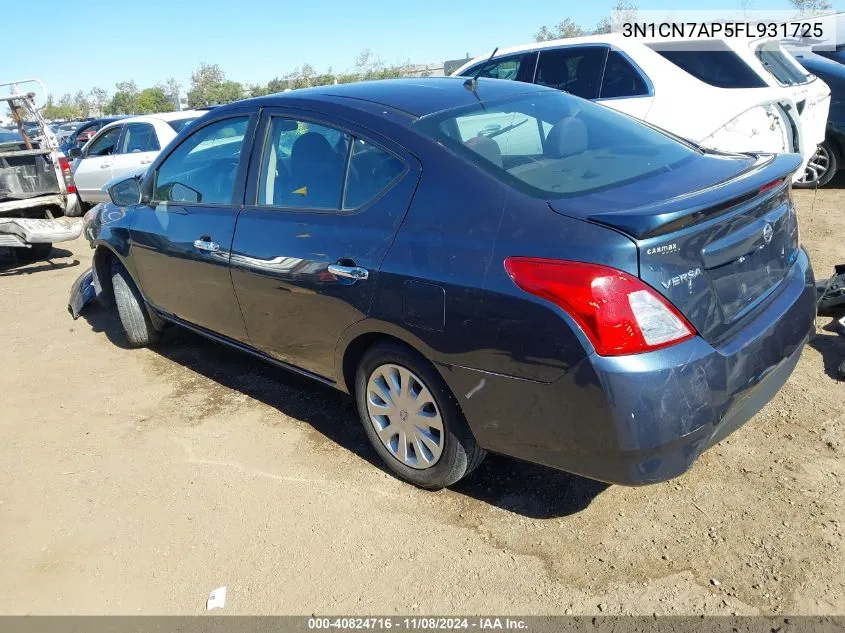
<point>574,288</point>
<point>122,147</point>
<point>36,186</point>
<point>830,154</point>
<point>727,94</point>
<point>74,142</point>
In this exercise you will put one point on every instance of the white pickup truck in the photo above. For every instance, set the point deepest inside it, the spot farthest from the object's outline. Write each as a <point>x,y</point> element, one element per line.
<point>36,184</point>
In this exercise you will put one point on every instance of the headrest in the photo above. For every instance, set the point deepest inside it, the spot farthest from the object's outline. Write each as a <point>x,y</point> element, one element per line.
<point>566,138</point>
<point>486,148</point>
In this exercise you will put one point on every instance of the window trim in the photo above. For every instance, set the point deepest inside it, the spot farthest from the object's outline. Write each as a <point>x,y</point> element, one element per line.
<point>240,175</point>
<point>307,117</point>
<point>648,83</point>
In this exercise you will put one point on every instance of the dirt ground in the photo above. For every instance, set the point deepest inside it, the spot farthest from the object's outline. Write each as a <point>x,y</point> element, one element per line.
<point>136,481</point>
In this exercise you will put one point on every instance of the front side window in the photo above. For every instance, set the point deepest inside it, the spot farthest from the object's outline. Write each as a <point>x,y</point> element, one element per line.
<point>574,69</point>
<point>506,68</point>
<point>718,66</point>
<point>104,145</point>
<point>621,79</point>
<point>203,168</point>
<point>583,147</point>
<point>139,137</point>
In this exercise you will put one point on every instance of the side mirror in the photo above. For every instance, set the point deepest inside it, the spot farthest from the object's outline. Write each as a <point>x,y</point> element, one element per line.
<point>126,193</point>
<point>75,152</point>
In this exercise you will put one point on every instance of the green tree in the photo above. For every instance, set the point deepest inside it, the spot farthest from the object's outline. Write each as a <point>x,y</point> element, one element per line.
<point>154,100</point>
<point>209,86</point>
<point>61,110</point>
<point>80,101</point>
<point>125,100</point>
<point>564,29</point>
<point>623,11</point>
<point>99,99</point>
<point>810,7</point>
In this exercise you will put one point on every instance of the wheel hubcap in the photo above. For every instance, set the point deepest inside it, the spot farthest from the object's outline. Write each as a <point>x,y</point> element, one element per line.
<point>405,416</point>
<point>817,166</point>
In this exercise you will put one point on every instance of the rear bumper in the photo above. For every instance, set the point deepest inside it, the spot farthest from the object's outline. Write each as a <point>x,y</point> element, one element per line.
<point>645,418</point>
<point>24,231</point>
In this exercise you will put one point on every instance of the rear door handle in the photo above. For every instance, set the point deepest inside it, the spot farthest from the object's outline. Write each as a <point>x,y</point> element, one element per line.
<point>207,245</point>
<point>349,272</point>
<point>105,165</point>
<point>146,161</point>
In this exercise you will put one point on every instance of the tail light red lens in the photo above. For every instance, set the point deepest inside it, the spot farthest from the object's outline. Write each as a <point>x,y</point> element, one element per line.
<point>618,312</point>
<point>67,174</point>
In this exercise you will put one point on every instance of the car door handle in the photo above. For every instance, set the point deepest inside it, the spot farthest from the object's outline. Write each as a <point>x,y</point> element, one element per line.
<point>146,161</point>
<point>207,245</point>
<point>349,272</point>
<point>105,165</point>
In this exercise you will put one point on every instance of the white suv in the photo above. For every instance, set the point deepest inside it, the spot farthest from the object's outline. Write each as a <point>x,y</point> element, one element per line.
<point>123,147</point>
<point>729,95</point>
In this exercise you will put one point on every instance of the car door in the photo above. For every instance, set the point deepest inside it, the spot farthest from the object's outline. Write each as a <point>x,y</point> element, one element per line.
<point>181,237</point>
<point>324,202</point>
<point>625,87</point>
<point>94,168</point>
<point>138,147</point>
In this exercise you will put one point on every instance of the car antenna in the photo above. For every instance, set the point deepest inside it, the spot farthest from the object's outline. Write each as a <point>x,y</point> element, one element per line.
<point>472,83</point>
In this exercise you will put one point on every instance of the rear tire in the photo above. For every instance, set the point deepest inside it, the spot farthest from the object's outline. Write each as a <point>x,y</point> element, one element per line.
<point>430,445</point>
<point>821,168</point>
<point>34,252</point>
<point>131,308</point>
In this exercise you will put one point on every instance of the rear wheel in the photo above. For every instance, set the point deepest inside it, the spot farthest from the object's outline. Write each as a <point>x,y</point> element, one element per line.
<point>821,168</point>
<point>131,308</point>
<point>34,252</point>
<point>412,419</point>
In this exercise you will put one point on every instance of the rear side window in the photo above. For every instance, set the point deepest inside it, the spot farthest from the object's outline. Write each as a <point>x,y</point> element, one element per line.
<point>139,137</point>
<point>621,79</point>
<point>787,72</point>
<point>582,147</point>
<point>311,166</point>
<point>504,68</point>
<point>203,168</point>
<point>371,171</point>
<point>718,68</point>
<point>575,69</point>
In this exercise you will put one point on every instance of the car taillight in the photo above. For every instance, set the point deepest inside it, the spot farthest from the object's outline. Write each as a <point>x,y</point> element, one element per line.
<point>67,174</point>
<point>618,312</point>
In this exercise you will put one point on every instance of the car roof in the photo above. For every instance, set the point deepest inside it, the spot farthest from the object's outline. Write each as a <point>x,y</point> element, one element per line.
<point>416,97</point>
<point>162,116</point>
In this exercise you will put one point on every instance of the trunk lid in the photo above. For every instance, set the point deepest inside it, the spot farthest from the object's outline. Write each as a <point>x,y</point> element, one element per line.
<point>716,252</point>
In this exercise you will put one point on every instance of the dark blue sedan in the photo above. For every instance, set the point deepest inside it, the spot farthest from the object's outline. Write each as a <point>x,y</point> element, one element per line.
<point>484,266</point>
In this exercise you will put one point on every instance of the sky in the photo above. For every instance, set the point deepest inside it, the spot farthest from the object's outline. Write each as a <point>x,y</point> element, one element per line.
<point>103,42</point>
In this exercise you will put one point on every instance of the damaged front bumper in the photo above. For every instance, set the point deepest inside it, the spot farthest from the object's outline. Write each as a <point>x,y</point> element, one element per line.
<point>21,232</point>
<point>84,290</point>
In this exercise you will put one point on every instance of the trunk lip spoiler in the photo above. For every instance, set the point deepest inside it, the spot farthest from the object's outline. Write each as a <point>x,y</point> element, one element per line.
<point>658,218</point>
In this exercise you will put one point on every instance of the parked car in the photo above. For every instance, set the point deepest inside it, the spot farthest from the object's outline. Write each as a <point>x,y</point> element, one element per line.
<point>828,159</point>
<point>124,146</point>
<point>731,95</point>
<point>82,134</point>
<point>65,130</point>
<point>36,185</point>
<point>573,288</point>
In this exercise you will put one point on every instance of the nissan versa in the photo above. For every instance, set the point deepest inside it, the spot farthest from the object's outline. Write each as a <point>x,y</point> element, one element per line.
<point>485,265</point>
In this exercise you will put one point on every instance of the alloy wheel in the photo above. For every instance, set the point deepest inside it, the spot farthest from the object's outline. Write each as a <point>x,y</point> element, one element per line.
<point>405,416</point>
<point>817,166</point>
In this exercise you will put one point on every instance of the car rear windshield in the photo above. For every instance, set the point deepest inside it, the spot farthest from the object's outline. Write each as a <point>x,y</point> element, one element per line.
<point>554,145</point>
<point>714,63</point>
<point>180,124</point>
<point>787,72</point>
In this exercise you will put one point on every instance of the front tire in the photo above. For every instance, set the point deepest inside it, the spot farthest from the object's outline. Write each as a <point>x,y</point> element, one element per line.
<point>412,419</point>
<point>821,168</point>
<point>131,308</point>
